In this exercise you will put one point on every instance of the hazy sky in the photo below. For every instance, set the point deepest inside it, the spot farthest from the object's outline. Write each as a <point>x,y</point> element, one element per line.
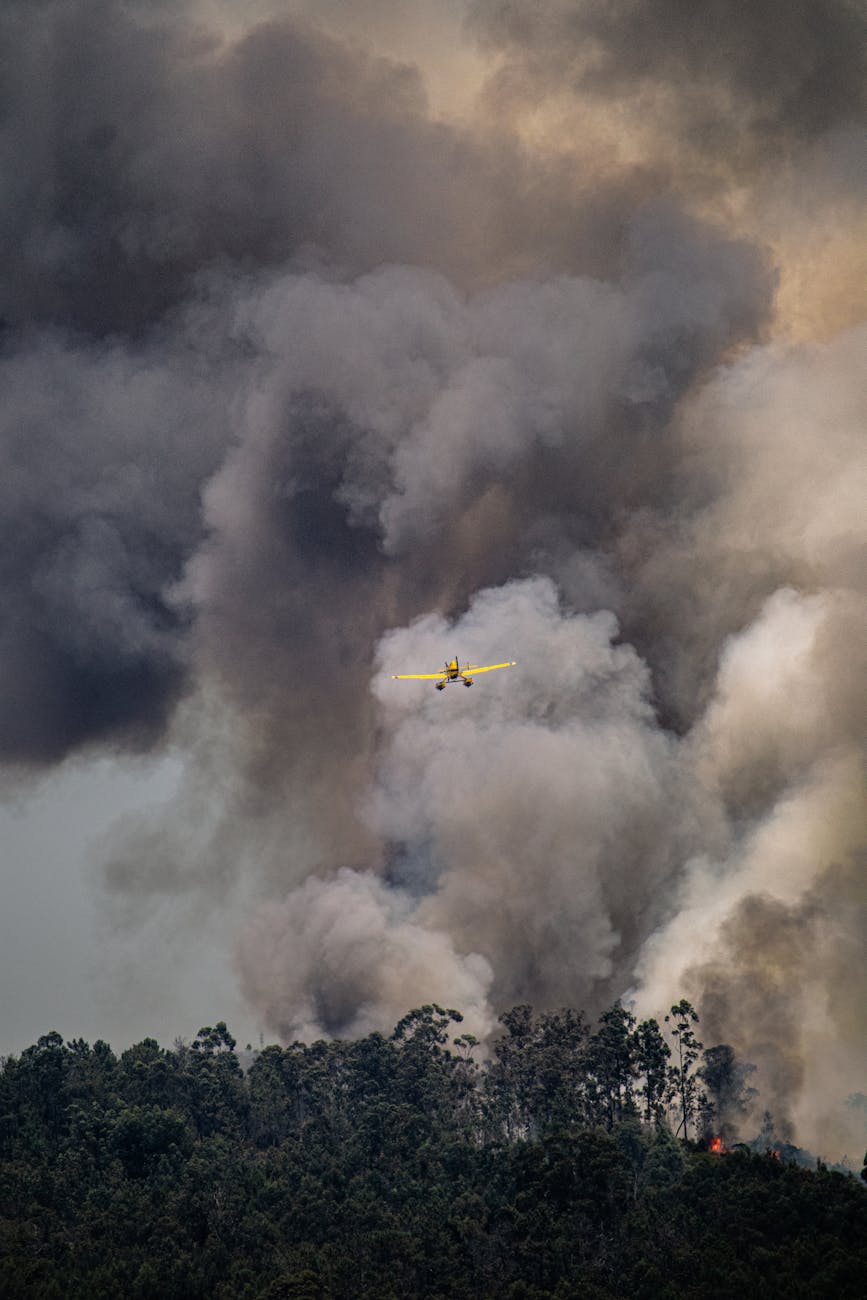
<point>58,968</point>
<point>342,337</point>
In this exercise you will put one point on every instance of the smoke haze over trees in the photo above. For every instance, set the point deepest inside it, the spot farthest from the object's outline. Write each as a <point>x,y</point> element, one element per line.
<point>324,358</point>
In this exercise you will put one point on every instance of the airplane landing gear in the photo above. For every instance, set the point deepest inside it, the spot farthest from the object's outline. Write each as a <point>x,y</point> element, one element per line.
<point>468,681</point>
<point>441,686</point>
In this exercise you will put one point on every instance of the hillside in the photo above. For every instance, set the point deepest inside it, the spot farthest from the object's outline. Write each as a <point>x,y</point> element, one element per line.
<point>388,1168</point>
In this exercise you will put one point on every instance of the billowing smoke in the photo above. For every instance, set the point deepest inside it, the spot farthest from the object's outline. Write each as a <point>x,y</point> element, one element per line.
<point>344,956</point>
<point>99,487</point>
<point>775,74</point>
<point>309,382</point>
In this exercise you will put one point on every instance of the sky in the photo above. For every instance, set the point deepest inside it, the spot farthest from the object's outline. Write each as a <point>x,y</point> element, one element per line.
<point>339,338</point>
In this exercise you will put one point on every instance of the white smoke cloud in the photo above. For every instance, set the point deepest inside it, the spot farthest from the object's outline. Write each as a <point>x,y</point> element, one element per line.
<point>346,956</point>
<point>304,384</point>
<point>781,435</point>
<point>549,825</point>
<point>763,936</point>
<point>534,828</point>
<point>788,692</point>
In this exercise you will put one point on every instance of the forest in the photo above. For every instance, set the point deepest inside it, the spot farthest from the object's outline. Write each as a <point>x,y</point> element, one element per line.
<point>573,1160</point>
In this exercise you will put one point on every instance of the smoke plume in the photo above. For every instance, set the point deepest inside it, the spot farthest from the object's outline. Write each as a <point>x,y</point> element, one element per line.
<point>310,381</point>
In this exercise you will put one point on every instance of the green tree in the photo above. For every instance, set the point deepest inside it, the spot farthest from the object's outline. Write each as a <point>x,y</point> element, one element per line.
<point>610,1063</point>
<point>277,1094</point>
<point>687,1051</point>
<point>537,1080</point>
<point>140,1135</point>
<point>150,1075</point>
<point>213,1082</point>
<point>652,1055</point>
<point>728,1093</point>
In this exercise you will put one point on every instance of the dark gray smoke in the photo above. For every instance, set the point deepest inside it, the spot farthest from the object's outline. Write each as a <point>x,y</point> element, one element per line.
<point>778,73</point>
<point>306,383</point>
<point>141,149</point>
<point>775,967</point>
<point>99,490</point>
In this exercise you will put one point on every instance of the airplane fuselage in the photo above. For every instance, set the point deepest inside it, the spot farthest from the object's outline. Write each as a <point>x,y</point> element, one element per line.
<point>452,673</point>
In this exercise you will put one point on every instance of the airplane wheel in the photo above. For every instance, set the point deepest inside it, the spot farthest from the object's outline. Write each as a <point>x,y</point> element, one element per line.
<point>468,683</point>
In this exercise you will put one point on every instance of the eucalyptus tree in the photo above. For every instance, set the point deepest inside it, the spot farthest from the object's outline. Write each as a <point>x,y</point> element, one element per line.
<point>652,1055</point>
<point>687,1051</point>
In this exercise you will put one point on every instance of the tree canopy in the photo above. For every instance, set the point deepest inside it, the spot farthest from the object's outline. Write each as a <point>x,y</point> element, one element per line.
<point>400,1166</point>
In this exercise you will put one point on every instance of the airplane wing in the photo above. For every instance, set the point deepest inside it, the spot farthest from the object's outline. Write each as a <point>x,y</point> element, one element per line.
<point>488,668</point>
<point>404,677</point>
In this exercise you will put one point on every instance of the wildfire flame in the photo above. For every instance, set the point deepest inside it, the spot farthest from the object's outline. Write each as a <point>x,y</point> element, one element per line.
<point>717,1145</point>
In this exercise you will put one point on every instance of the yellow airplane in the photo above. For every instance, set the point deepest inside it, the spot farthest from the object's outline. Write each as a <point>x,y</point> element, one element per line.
<point>451,673</point>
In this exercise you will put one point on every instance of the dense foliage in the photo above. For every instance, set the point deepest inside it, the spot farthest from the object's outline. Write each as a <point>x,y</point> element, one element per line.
<point>397,1167</point>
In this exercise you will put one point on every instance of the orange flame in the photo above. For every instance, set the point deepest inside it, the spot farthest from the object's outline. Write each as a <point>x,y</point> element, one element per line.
<point>717,1145</point>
